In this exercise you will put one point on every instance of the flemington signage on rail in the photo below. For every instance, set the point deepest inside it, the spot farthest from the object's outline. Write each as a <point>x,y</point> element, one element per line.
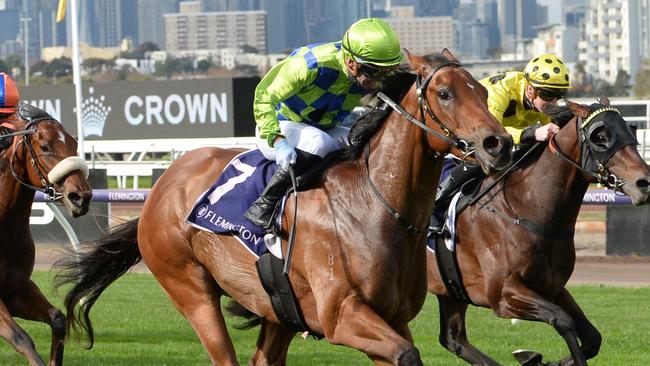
<point>153,109</point>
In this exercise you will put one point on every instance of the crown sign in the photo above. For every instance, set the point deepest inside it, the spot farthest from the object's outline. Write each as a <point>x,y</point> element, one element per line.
<point>94,114</point>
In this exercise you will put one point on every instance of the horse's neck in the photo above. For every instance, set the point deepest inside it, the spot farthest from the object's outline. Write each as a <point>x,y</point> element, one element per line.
<point>404,170</point>
<point>15,199</point>
<point>553,187</point>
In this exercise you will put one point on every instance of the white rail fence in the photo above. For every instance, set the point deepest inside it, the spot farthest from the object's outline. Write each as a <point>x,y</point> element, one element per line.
<point>139,158</point>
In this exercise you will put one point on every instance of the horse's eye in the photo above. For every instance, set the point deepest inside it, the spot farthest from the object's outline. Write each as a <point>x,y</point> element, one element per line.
<point>600,137</point>
<point>443,94</point>
<point>45,148</point>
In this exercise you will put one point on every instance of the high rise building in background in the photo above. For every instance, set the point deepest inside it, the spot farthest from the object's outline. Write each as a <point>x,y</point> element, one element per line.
<point>516,21</point>
<point>437,8</point>
<point>108,20</point>
<point>129,15</point>
<point>190,29</point>
<point>286,24</point>
<point>151,20</point>
<point>327,20</point>
<point>424,35</point>
<point>616,37</point>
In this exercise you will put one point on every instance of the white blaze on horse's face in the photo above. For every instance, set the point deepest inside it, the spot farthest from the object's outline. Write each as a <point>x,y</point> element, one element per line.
<point>470,85</point>
<point>61,137</point>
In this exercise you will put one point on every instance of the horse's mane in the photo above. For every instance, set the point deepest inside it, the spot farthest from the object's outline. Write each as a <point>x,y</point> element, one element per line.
<point>561,115</point>
<point>395,86</point>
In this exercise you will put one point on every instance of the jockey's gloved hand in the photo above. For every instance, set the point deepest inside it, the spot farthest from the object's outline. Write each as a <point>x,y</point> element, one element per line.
<point>285,154</point>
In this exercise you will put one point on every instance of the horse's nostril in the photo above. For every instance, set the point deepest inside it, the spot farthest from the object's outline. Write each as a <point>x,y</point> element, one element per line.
<point>642,184</point>
<point>74,197</point>
<point>497,145</point>
<point>491,143</point>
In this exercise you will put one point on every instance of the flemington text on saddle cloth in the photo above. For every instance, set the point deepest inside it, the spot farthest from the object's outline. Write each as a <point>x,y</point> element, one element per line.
<point>221,208</point>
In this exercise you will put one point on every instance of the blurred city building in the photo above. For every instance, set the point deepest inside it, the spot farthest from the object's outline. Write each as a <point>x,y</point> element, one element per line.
<point>421,35</point>
<point>617,37</point>
<point>151,20</point>
<point>191,29</point>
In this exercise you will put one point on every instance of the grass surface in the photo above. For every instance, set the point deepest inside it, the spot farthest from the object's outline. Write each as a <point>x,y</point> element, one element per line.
<point>135,324</point>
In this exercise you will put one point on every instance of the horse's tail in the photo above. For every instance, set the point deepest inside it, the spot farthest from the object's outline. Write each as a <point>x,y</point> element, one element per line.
<point>93,268</point>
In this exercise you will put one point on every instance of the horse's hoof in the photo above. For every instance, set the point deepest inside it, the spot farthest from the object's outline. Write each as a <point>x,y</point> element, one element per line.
<point>528,358</point>
<point>410,357</point>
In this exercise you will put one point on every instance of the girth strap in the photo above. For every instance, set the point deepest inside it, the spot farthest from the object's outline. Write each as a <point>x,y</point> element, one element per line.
<point>450,272</point>
<point>276,284</point>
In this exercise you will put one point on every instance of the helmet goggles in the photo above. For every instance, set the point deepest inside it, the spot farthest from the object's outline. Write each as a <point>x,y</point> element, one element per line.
<point>549,95</point>
<point>373,71</point>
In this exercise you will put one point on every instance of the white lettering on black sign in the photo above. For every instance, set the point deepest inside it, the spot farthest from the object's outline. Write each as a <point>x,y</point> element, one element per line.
<point>197,108</point>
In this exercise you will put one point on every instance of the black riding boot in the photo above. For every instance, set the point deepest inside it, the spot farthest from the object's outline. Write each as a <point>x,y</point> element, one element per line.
<point>261,211</point>
<point>447,189</point>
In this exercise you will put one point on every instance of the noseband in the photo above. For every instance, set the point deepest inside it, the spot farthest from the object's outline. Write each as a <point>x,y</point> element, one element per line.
<point>593,158</point>
<point>423,105</point>
<point>48,180</point>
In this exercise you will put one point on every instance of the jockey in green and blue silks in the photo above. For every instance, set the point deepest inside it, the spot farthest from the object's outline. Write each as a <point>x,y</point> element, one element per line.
<point>301,101</point>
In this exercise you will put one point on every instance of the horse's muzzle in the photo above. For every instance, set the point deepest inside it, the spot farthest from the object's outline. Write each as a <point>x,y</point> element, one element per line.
<point>498,149</point>
<point>77,202</point>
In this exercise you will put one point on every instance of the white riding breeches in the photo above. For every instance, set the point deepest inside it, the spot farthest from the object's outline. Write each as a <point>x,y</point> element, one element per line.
<point>307,138</point>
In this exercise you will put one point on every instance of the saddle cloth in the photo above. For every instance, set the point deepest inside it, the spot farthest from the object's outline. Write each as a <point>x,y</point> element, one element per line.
<point>221,208</point>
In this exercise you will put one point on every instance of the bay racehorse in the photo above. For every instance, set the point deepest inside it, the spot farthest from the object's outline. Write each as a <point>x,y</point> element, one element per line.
<point>37,155</point>
<point>515,246</point>
<point>358,271</point>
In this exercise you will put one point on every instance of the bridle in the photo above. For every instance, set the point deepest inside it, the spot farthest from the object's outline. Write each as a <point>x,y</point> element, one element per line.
<point>424,107</point>
<point>593,163</point>
<point>49,179</point>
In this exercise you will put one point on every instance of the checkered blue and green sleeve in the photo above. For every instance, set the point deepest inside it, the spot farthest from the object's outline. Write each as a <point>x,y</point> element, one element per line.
<point>310,86</point>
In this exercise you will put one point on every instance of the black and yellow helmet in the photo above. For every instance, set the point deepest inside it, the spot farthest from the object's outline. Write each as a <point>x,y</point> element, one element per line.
<point>547,71</point>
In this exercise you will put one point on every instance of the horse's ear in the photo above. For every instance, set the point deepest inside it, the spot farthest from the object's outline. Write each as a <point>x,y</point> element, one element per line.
<point>604,101</point>
<point>579,109</point>
<point>418,63</point>
<point>450,56</point>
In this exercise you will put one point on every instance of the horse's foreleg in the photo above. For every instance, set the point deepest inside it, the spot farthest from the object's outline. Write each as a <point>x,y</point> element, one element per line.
<point>453,335</point>
<point>404,332</point>
<point>518,301</point>
<point>590,338</point>
<point>272,345</point>
<point>31,304</point>
<point>17,337</point>
<point>358,326</point>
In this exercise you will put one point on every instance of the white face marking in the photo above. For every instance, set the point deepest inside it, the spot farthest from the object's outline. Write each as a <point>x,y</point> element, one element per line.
<point>470,85</point>
<point>61,137</point>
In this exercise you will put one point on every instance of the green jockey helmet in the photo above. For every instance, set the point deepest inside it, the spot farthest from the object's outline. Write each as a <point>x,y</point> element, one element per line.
<point>372,41</point>
<point>547,71</point>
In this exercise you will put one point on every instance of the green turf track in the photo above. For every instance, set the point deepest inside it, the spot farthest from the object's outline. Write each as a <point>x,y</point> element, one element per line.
<point>135,324</point>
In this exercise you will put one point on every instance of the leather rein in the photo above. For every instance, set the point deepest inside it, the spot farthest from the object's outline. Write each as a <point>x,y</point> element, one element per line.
<point>602,175</point>
<point>424,107</point>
